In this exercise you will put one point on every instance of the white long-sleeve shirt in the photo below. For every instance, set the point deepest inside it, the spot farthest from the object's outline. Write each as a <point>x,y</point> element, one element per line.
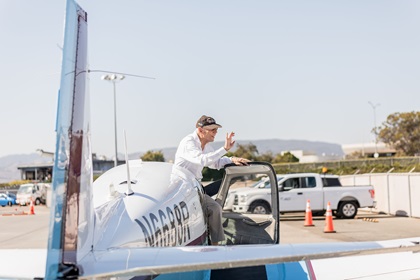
<point>189,155</point>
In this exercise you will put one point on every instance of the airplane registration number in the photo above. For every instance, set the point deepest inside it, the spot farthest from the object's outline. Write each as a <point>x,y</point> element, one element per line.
<point>169,227</point>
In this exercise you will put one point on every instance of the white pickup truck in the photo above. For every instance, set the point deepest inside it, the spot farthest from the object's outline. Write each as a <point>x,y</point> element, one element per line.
<point>35,192</point>
<point>296,189</point>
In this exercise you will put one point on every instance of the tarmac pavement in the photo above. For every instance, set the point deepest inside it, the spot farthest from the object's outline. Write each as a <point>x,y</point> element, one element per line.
<point>367,226</point>
<point>19,230</point>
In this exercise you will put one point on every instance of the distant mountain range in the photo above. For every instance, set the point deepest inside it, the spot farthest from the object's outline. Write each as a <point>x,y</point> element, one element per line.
<point>276,146</point>
<point>9,164</point>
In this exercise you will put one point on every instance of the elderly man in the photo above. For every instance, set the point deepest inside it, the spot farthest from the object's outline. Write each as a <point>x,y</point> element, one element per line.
<point>194,154</point>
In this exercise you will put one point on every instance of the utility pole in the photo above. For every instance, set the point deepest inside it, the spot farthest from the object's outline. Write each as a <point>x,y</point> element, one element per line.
<point>114,78</point>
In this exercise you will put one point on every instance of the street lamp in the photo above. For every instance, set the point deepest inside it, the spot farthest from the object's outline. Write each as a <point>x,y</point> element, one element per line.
<point>374,123</point>
<point>114,78</point>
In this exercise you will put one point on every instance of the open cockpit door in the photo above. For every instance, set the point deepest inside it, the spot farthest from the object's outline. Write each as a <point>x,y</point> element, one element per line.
<point>249,228</point>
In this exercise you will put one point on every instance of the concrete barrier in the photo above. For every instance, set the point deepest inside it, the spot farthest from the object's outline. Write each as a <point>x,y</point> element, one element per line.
<point>396,194</point>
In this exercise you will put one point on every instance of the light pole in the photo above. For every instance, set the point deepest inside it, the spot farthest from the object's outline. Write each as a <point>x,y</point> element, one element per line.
<point>114,78</point>
<point>374,123</point>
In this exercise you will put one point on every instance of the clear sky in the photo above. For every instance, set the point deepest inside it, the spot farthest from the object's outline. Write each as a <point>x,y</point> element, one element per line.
<point>288,69</point>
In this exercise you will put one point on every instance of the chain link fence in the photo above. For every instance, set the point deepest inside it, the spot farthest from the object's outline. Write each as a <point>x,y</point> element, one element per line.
<point>355,166</point>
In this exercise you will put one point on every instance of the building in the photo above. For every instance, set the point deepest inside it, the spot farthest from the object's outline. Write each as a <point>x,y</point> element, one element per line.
<point>308,156</point>
<point>36,171</point>
<point>44,171</point>
<point>368,150</point>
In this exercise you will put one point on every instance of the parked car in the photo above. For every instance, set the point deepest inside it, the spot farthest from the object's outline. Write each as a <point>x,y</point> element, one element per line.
<point>7,199</point>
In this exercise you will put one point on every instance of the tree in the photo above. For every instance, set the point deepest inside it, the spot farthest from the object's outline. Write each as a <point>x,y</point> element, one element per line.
<point>402,131</point>
<point>210,174</point>
<point>267,157</point>
<point>246,151</point>
<point>285,157</point>
<point>153,156</point>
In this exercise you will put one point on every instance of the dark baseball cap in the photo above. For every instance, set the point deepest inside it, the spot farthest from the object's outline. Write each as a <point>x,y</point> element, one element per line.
<point>207,122</point>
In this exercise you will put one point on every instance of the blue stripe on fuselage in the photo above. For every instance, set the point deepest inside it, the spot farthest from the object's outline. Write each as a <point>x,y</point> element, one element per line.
<point>280,271</point>
<point>287,271</point>
<point>189,275</point>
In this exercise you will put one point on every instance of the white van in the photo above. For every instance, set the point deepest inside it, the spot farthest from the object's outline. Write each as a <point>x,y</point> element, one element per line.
<point>36,192</point>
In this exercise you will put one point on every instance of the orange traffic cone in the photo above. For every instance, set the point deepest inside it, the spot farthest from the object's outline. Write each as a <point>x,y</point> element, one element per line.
<point>308,215</point>
<point>31,208</point>
<point>329,228</point>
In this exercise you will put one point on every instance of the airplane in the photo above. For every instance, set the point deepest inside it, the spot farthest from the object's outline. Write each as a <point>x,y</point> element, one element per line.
<point>145,220</point>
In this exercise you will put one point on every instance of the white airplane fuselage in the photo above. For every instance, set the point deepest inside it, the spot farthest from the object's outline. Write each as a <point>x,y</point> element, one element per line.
<point>164,210</point>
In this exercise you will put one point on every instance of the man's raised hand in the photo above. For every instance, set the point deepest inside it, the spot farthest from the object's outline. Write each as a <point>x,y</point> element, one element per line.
<point>229,142</point>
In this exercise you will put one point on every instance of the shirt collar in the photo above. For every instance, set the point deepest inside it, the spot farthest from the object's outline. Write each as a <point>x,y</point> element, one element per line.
<point>197,139</point>
<point>195,135</point>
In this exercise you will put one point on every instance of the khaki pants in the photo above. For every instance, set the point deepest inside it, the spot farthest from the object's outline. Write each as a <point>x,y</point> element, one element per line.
<point>214,215</point>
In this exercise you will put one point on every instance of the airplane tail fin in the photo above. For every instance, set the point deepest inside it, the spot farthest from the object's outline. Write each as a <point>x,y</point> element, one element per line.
<point>70,237</point>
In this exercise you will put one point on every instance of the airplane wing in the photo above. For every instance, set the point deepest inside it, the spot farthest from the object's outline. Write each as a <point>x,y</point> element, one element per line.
<point>71,254</point>
<point>284,261</point>
<point>393,259</point>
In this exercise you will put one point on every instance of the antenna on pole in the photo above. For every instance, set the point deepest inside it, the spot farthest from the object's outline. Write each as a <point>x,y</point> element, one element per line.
<point>129,190</point>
